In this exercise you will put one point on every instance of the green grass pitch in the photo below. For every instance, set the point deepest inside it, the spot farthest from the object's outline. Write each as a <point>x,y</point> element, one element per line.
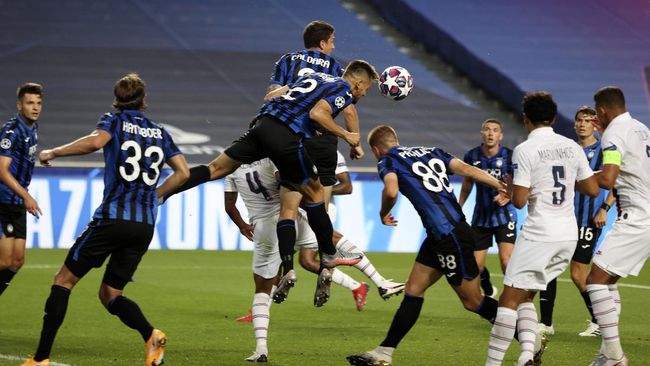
<point>194,296</point>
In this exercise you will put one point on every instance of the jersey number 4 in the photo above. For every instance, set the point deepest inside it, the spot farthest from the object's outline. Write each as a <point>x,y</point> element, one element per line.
<point>134,162</point>
<point>434,175</point>
<point>259,188</point>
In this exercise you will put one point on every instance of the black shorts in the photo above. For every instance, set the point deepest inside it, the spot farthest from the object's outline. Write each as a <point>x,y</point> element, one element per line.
<point>125,241</point>
<point>453,255</point>
<point>269,137</point>
<point>506,233</point>
<point>322,151</point>
<point>13,219</point>
<point>587,240</point>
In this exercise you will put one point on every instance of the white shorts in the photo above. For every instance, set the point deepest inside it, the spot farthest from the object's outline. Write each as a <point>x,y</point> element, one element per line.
<point>534,264</point>
<point>266,255</point>
<point>624,250</point>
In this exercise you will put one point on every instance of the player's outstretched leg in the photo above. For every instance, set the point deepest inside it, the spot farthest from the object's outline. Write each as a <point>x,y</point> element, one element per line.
<point>387,288</point>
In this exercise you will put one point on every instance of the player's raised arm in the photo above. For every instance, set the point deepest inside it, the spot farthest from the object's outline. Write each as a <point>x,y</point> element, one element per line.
<point>82,146</point>
<point>351,118</point>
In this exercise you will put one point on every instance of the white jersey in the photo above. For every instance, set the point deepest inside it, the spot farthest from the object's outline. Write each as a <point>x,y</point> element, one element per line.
<point>549,164</point>
<point>258,188</point>
<point>341,165</point>
<point>631,139</point>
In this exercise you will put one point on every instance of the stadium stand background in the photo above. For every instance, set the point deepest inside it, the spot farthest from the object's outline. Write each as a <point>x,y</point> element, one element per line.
<point>206,64</point>
<point>570,48</point>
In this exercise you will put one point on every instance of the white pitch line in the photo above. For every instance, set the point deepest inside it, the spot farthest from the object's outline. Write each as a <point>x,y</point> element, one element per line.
<point>57,266</point>
<point>629,285</point>
<point>18,358</point>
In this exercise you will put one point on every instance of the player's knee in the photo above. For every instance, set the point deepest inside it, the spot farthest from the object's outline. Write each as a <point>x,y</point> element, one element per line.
<point>18,262</point>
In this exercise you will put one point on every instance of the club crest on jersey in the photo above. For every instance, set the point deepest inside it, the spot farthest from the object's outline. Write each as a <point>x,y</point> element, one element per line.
<point>339,102</point>
<point>5,143</point>
<point>590,155</point>
<point>499,162</point>
<point>10,228</point>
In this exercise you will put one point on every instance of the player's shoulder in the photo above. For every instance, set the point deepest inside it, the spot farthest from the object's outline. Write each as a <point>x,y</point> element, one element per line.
<point>10,124</point>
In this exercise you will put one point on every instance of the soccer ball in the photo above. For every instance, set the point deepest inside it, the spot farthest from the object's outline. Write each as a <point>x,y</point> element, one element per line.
<point>395,83</point>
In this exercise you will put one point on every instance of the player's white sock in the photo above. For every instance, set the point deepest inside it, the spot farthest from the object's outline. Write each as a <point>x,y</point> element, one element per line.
<point>605,312</point>
<point>613,290</point>
<point>528,329</point>
<point>344,280</point>
<point>261,317</point>
<point>364,265</point>
<point>501,335</point>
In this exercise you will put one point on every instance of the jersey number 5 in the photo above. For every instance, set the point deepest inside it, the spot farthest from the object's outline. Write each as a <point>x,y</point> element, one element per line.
<point>558,175</point>
<point>434,175</point>
<point>134,162</point>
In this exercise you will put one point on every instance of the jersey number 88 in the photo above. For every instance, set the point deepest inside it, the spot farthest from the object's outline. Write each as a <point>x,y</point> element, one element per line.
<point>434,175</point>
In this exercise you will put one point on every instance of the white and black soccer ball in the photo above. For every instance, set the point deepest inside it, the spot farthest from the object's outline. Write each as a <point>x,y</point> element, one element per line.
<point>395,83</point>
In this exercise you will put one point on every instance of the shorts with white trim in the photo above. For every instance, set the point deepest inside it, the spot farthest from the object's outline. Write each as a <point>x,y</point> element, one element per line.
<point>534,264</point>
<point>624,250</point>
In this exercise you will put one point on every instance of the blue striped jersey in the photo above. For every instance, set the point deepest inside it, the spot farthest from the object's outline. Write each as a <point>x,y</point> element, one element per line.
<point>423,177</point>
<point>19,142</point>
<point>293,107</point>
<point>134,158</point>
<point>586,207</point>
<point>486,212</point>
<point>293,65</point>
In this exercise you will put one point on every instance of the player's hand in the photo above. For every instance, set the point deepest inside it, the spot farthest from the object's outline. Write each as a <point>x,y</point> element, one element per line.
<point>352,138</point>
<point>356,152</point>
<point>506,186</point>
<point>501,199</point>
<point>601,218</point>
<point>389,220</point>
<point>45,156</point>
<point>32,206</point>
<point>247,231</point>
<point>597,125</point>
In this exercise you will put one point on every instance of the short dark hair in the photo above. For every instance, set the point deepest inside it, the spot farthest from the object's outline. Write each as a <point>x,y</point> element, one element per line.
<point>610,96</point>
<point>539,108</point>
<point>360,68</point>
<point>129,93</point>
<point>585,110</point>
<point>29,88</point>
<point>316,31</point>
<point>492,120</point>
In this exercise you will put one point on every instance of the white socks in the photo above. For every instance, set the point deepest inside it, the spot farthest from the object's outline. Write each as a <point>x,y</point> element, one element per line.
<point>364,265</point>
<point>261,317</point>
<point>606,313</point>
<point>501,335</point>
<point>344,280</point>
<point>528,329</point>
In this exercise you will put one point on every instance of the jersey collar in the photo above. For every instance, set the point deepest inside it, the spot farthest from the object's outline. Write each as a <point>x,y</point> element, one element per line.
<point>23,125</point>
<point>540,131</point>
<point>620,118</point>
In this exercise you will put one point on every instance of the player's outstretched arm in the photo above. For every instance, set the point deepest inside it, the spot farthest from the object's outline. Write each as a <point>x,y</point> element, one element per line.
<point>179,176</point>
<point>230,205</point>
<point>388,199</point>
<point>10,181</point>
<point>321,113</point>
<point>82,146</point>
<point>607,177</point>
<point>465,170</point>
